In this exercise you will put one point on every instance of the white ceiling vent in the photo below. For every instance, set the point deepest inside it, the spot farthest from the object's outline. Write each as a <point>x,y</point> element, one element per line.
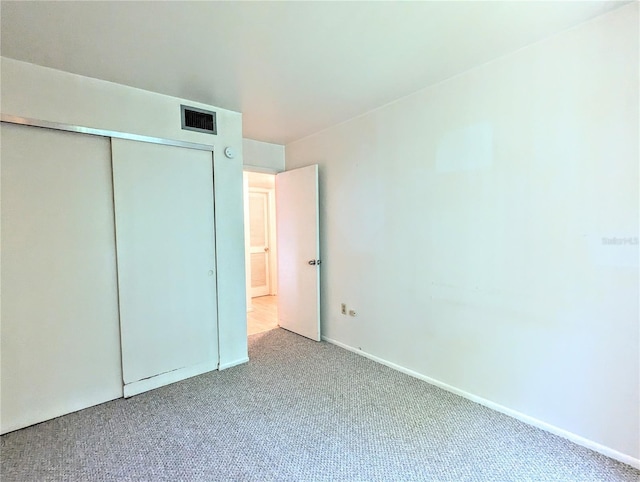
<point>199,120</point>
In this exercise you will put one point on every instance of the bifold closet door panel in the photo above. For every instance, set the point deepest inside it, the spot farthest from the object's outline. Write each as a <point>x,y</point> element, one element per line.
<point>59,328</point>
<point>166,262</point>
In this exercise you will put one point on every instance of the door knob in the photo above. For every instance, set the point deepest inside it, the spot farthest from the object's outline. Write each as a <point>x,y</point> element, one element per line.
<point>312,262</point>
<point>266,250</point>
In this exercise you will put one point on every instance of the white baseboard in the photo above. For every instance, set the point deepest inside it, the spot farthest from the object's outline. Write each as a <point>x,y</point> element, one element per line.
<point>135,388</point>
<point>590,444</point>
<point>224,366</point>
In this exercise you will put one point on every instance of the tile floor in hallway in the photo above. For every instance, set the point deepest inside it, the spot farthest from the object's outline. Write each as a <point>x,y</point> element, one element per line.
<point>264,315</point>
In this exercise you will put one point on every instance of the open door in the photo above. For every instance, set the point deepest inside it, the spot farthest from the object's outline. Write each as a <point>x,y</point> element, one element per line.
<point>259,249</point>
<point>298,251</point>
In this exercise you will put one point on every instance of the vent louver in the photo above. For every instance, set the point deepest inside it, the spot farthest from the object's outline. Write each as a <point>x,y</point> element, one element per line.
<point>194,119</point>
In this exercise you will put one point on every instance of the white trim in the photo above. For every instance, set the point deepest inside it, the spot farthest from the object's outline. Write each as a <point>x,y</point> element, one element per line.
<point>590,444</point>
<point>135,388</point>
<point>247,228</point>
<point>224,366</point>
<point>273,244</point>
<point>261,170</point>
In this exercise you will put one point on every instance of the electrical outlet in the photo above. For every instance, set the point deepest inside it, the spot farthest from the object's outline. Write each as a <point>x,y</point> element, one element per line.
<point>352,313</point>
<point>343,309</point>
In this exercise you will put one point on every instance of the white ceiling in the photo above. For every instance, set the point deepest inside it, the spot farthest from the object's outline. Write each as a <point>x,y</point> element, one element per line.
<point>291,68</point>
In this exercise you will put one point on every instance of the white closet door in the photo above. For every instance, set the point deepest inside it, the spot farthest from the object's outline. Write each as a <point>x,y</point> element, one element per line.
<point>166,263</point>
<point>59,327</point>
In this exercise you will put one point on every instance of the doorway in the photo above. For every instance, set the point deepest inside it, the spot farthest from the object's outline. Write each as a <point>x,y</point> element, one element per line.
<point>260,252</point>
<point>292,299</point>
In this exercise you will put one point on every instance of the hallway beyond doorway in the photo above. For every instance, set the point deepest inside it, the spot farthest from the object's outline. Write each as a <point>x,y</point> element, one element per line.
<point>264,316</point>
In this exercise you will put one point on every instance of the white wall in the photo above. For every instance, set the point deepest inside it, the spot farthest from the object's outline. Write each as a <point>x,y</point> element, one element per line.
<point>465,224</point>
<point>262,156</point>
<point>45,94</point>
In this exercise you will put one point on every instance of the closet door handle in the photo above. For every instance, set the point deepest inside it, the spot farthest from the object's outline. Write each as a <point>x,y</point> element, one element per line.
<point>312,262</point>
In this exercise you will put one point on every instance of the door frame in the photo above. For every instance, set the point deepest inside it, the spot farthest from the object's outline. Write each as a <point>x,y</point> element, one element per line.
<point>273,247</point>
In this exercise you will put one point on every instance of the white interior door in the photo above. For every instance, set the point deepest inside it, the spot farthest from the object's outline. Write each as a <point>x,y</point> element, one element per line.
<point>298,251</point>
<point>259,249</point>
<point>166,262</point>
<point>60,339</point>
